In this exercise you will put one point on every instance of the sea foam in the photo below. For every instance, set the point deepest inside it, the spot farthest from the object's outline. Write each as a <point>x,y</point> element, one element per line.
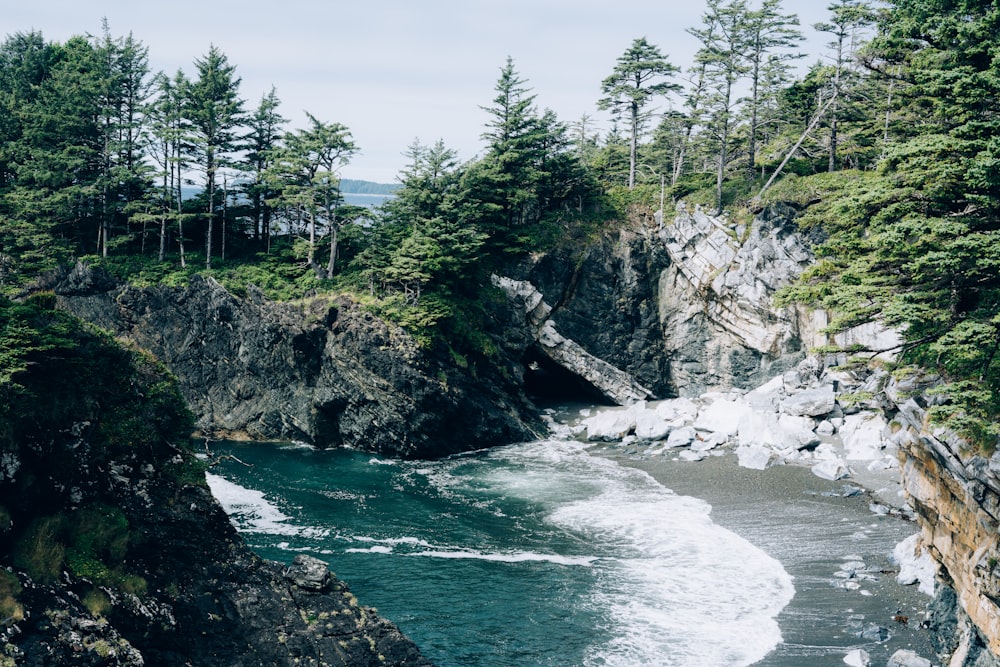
<point>675,588</point>
<point>251,512</point>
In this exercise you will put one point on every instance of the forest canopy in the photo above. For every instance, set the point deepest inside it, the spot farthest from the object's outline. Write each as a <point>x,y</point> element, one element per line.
<point>888,143</point>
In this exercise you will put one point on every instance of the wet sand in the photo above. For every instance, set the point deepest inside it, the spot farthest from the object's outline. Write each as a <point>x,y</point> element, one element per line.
<point>819,531</point>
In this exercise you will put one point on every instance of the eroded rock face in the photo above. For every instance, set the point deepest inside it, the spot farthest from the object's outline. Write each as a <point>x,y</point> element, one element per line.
<point>326,373</point>
<point>613,383</point>
<point>956,495</point>
<point>685,307</point>
<point>715,299</point>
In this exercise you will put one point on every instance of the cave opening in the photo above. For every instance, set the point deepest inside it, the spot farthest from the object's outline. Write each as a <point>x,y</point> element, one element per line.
<point>549,384</point>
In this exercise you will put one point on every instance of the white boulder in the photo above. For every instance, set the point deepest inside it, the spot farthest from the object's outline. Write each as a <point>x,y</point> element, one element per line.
<point>673,409</point>
<point>614,424</point>
<point>722,414</point>
<point>681,437</point>
<point>767,397</point>
<point>907,658</point>
<point>832,470</point>
<point>782,432</point>
<point>649,425</point>
<point>863,434</point>
<point>708,443</point>
<point>915,565</point>
<point>756,457</point>
<point>810,402</point>
<point>858,658</point>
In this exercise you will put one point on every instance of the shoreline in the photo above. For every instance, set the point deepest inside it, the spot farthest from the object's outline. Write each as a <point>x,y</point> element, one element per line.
<point>834,537</point>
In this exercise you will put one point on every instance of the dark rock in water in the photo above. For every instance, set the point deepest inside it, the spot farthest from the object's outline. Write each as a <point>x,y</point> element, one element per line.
<point>324,372</point>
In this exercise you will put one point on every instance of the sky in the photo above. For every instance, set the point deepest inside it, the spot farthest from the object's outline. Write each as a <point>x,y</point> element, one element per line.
<point>395,71</point>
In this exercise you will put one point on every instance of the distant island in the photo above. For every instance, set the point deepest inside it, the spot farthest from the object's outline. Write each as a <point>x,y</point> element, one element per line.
<point>368,187</point>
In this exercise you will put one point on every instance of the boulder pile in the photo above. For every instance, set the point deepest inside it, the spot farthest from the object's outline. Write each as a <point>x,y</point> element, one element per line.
<point>816,414</point>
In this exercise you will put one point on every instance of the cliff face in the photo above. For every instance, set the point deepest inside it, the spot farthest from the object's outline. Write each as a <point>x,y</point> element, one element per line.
<point>685,307</point>
<point>322,372</point>
<point>112,549</point>
<point>956,495</point>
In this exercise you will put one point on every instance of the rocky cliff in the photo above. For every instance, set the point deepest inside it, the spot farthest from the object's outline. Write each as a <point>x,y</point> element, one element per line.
<point>320,371</point>
<point>685,307</point>
<point>955,492</point>
<point>112,549</point>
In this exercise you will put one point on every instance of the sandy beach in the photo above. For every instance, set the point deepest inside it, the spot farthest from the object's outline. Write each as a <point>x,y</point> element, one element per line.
<point>834,538</point>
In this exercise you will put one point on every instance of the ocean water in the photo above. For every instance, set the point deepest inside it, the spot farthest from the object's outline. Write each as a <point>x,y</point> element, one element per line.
<point>534,554</point>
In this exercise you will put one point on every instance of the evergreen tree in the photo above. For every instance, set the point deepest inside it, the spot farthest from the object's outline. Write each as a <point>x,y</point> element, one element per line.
<point>726,63</point>
<point>215,112</point>
<point>169,146</point>
<point>698,86</point>
<point>917,243</point>
<point>306,174</point>
<point>262,142</point>
<point>123,71</point>
<point>55,204</point>
<point>771,36</point>
<point>503,182</point>
<point>847,18</point>
<point>637,78</point>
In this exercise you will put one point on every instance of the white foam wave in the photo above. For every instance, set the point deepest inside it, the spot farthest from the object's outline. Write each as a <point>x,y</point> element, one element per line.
<point>677,589</point>
<point>251,512</point>
<point>375,461</point>
<point>377,549</point>
<point>520,557</point>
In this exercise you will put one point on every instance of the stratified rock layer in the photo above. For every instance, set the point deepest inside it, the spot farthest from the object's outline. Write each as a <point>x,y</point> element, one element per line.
<point>956,494</point>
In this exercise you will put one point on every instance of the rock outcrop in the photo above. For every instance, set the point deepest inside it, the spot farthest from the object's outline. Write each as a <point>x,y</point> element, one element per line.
<point>955,492</point>
<point>614,384</point>
<point>685,307</point>
<point>715,299</point>
<point>112,549</point>
<point>323,372</point>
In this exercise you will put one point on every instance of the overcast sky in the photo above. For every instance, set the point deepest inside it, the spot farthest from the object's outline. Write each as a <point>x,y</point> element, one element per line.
<point>396,70</point>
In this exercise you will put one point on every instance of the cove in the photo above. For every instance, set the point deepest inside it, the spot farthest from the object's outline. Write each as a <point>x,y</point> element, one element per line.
<point>554,553</point>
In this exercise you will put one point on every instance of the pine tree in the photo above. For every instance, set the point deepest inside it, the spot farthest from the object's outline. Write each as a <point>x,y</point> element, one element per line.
<point>306,174</point>
<point>771,37</point>
<point>503,182</point>
<point>916,244</point>
<point>637,78</point>
<point>726,63</point>
<point>847,18</point>
<point>215,112</point>
<point>262,143</point>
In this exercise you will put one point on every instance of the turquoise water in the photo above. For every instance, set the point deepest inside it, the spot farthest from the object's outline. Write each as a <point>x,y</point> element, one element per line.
<point>529,555</point>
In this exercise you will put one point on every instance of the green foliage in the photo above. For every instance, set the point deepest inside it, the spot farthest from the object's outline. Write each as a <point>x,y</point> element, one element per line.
<point>40,551</point>
<point>10,589</point>
<point>916,243</point>
<point>90,543</point>
<point>98,604</point>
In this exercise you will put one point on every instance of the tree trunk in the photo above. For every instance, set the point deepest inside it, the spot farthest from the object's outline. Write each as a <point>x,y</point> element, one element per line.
<point>633,147</point>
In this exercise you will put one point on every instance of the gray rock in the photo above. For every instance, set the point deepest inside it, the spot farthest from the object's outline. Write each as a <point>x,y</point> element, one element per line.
<point>309,573</point>
<point>811,402</point>
<point>324,372</point>
<point>907,658</point>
